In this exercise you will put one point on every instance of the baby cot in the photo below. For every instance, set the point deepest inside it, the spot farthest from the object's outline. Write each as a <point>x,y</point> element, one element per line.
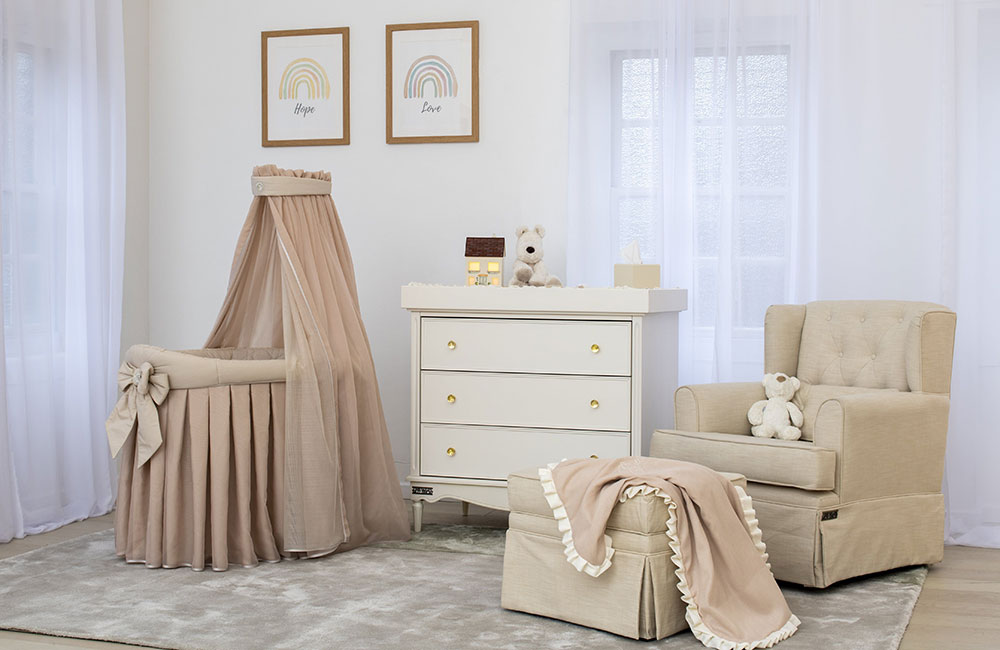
<point>271,441</point>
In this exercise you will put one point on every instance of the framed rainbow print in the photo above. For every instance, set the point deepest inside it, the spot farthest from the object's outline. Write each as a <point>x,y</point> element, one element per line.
<point>305,87</point>
<point>432,82</point>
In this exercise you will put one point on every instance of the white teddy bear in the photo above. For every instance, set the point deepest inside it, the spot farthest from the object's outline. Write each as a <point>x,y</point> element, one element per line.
<point>529,268</point>
<point>776,415</point>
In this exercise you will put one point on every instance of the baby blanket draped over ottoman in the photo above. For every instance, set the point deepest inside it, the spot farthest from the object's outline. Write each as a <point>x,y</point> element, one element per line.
<point>653,546</point>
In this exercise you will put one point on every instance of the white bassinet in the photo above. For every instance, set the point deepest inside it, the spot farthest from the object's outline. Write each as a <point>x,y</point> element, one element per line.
<point>213,467</point>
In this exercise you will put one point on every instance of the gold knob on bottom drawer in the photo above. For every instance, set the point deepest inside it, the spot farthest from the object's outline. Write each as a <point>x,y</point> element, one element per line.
<point>594,403</point>
<point>595,348</point>
<point>450,451</point>
<point>451,399</point>
<point>451,345</point>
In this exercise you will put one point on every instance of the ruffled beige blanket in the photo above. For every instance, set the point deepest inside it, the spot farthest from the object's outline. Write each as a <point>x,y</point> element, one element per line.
<point>733,602</point>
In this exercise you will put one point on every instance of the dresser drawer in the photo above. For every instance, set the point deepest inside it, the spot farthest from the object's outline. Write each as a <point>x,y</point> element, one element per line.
<point>558,402</point>
<point>544,346</point>
<point>493,453</point>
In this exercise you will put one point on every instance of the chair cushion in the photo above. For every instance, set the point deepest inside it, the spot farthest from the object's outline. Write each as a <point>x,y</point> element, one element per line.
<point>762,460</point>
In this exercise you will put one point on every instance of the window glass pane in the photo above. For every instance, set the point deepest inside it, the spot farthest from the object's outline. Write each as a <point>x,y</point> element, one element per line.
<point>705,293</point>
<point>640,88</point>
<point>762,284</point>
<point>762,226</point>
<point>636,222</point>
<point>640,155</point>
<point>708,155</point>
<point>762,85</point>
<point>709,87</point>
<point>707,227</point>
<point>24,101</point>
<point>762,155</point>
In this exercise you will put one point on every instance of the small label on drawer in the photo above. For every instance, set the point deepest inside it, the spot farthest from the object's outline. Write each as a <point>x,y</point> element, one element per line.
<point>828,515</point>
<point>428,491</point>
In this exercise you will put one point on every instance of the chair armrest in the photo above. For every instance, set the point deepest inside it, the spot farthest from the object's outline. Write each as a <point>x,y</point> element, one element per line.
<point>887,443</point>
<point>719,408</point>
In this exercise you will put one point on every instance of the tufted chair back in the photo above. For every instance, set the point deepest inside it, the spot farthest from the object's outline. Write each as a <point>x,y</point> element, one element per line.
<point>863,343</point>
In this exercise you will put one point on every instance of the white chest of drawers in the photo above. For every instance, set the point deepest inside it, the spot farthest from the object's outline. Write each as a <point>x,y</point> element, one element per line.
<point>510,377</point>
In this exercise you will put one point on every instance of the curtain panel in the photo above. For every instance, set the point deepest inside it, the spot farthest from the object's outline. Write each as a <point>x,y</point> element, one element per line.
<point>62,185</point>
<point>781,152</point>
<point>690,133</point>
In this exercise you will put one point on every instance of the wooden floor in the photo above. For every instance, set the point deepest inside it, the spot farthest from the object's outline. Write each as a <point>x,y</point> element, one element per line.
<point>958,609</point>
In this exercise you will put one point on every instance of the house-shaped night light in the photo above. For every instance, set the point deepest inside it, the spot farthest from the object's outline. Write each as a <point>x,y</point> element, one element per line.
<point>484,261</point>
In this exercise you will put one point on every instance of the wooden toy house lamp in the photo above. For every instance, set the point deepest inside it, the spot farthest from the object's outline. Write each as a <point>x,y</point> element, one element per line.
<point>484,261</point>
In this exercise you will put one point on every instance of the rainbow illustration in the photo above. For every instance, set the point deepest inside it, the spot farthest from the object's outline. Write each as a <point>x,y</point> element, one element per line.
<point>304,73</point>
<point>429,74</point>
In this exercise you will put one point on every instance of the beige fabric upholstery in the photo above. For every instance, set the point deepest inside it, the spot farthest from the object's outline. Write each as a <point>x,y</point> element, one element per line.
<point>929,352</point>
<point>762,460</point>
<point>714,407</point>
<point>810,397</point>
<point>876,382</point>
<point>872,344</point>
<point>888,444</point>
<point>782,337</point>
<point>636,597</point>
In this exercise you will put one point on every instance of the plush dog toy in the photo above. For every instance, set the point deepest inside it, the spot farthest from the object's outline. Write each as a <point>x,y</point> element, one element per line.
<point>529,268</point>
<point>776,415</point>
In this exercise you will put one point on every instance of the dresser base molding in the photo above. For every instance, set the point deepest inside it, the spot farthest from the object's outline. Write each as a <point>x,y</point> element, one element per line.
<point>488,494</point>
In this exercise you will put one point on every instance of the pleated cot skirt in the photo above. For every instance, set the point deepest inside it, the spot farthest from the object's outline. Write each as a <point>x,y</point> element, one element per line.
<point>212,493</point>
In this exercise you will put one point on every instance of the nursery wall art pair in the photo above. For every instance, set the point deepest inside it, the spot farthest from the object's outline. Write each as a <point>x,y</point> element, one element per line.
<point>431,84</point>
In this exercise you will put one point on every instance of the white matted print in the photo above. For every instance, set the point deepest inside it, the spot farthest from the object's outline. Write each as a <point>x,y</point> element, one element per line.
<point>432,82</point>
<point>305,87</point>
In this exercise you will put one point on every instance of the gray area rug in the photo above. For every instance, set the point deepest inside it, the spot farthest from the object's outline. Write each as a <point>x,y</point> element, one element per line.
<point>440,590</point>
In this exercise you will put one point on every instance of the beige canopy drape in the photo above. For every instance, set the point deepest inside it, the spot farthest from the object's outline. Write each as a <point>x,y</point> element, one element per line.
<point>292,285</point>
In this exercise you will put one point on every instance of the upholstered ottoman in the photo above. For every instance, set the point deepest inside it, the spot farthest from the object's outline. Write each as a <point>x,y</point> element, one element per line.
<point>637,597</point>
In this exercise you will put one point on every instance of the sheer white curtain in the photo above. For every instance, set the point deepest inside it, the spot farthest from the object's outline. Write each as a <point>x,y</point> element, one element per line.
<point>62,228</point>
<point>971,239</point>
<point>770,151</point>
<point>690,132</point>
<point>909,195</point>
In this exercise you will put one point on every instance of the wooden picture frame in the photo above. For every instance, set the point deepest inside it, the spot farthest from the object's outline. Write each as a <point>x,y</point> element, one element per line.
<point>442,105</point>
<point>311,62</point>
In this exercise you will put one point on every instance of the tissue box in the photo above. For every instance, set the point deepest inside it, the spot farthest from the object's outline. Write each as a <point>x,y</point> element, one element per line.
<point>640,276</point>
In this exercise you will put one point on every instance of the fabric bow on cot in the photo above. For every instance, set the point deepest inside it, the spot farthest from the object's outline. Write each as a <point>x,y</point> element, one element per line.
<point>142,391</point>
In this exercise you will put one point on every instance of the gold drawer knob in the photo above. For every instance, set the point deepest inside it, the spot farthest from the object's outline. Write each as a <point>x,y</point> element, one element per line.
<point>450,451</point>
<point>594,403</point>
<point>595,348</point>
<point>451,345</point>
<point>451,399</point>
<point>593,455</point>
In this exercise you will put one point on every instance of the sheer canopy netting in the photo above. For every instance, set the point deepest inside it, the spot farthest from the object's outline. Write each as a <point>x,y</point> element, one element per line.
<point>292,285</point>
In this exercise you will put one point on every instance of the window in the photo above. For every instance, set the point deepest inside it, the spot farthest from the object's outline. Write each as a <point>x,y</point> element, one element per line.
<point>741,166</point>
<point>636,154</point>
<point>30,282</point>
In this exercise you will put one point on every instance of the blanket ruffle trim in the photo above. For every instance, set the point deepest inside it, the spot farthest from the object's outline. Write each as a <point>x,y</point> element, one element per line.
<point>691,612</point>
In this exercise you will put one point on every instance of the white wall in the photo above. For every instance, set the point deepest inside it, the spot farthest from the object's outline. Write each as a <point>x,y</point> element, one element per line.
<point>406,208</point>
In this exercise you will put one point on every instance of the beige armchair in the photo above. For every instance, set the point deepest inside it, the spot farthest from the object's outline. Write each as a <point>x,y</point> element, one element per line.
<point>861,491</point>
